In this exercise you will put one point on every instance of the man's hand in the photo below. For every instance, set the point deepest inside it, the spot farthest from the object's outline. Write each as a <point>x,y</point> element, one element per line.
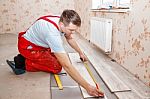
<point>93,91</point>
<point>83,57</point>
<point>69,68</point>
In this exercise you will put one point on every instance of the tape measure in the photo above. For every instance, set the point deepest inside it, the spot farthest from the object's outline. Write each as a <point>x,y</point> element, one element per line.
<point>58,81</point>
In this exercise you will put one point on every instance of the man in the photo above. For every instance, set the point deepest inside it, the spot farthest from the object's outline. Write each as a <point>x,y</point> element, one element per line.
<point>41,48</point>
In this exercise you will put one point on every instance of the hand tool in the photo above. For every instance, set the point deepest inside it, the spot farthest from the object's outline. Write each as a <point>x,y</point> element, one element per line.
<point>58,81</point>
<point>89,71</point>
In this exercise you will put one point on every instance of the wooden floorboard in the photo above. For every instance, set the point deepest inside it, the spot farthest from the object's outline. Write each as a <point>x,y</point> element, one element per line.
<point>127,95</point>
<point>112,81</point>
<point>66,80</point>
<point>101,83</point>
<point>137,87</point>
<point>75,59</point>
<point>135,84</point>
<point>66,93</point>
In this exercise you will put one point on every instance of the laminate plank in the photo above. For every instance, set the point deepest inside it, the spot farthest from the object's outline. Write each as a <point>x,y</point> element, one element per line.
<point>65,79</point>
<point>66,93</point>
<point>112,81</point>
<point>75,59</point>
<point>135,84</point>
<point>137,87</point>
<point>101,83</point>
<point>108,76</point>
<point>128,95</point>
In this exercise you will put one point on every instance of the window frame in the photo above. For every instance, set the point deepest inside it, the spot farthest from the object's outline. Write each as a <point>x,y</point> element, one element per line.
<point>115,6</point>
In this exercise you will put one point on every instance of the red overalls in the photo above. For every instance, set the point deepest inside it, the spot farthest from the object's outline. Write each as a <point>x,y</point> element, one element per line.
<point>38,58</point>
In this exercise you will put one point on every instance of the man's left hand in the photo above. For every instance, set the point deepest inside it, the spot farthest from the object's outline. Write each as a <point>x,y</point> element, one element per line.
<point>83,57</point>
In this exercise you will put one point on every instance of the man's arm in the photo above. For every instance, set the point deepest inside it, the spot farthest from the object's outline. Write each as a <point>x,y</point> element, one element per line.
<point>65,62</point>
<point>74,45</point>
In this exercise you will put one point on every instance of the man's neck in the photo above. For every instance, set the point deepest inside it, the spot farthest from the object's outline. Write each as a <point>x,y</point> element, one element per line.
<point>59,27</point>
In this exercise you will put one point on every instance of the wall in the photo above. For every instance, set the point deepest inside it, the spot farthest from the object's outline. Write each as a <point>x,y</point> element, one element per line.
<point>18,15</point>
<point>131,35</point>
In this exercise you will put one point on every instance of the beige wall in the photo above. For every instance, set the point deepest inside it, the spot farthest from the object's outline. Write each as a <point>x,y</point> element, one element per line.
<point>18,15</point>
<point>131,35</point>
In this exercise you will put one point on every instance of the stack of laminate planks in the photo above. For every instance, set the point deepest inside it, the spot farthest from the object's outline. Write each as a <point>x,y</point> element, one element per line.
<point>121,82</point>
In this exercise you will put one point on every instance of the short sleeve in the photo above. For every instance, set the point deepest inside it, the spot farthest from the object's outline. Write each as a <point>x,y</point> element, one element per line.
<point>55,43</point>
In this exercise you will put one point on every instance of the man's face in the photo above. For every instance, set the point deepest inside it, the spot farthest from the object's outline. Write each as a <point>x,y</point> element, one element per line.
<point>68,30</point>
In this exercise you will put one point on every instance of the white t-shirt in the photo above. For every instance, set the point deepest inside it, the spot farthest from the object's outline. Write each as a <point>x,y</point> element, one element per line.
<point>45,34</point>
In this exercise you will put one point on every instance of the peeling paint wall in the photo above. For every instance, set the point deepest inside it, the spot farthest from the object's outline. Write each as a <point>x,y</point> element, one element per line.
<point>18,15</point>
<point>131,35</point>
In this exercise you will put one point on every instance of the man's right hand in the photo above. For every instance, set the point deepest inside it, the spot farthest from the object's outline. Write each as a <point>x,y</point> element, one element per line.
<point>69,68</point>
<point>93,91</point>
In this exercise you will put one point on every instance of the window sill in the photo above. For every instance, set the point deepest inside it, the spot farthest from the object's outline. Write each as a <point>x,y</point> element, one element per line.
<point>111,10</point>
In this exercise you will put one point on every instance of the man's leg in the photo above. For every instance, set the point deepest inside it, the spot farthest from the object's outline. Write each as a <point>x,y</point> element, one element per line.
<point>42,60</point>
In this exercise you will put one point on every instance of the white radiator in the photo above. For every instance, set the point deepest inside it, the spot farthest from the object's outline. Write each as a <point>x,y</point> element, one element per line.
<point>101,33</point>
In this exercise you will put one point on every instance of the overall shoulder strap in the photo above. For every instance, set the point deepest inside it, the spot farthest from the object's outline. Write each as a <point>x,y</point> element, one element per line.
<point>46,19</point>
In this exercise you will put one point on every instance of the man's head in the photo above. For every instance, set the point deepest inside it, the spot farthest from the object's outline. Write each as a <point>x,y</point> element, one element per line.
<point>69,21</point>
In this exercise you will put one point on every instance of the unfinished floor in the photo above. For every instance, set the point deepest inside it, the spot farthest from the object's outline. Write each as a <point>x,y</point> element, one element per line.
<point>40,85</point>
